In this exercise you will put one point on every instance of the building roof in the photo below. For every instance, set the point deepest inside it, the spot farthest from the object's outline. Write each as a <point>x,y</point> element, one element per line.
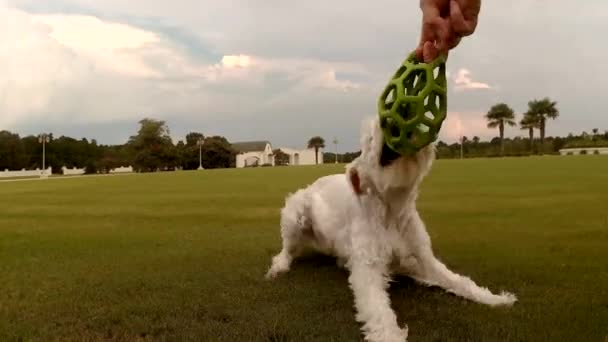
<point>250,146</point>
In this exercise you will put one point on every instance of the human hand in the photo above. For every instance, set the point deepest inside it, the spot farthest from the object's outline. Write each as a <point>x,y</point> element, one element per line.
<point>444,23</point>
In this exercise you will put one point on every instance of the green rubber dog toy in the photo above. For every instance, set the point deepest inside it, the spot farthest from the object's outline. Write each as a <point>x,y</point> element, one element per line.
<point>414,105</point>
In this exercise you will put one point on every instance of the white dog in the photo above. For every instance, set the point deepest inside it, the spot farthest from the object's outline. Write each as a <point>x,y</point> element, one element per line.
<point>367,218</point>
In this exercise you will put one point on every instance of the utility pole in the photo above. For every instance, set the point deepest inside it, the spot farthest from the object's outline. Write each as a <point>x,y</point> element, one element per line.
<point>44,139</point>
<point>461,147</point>
<point>336,143</point>
<point>200,142</point>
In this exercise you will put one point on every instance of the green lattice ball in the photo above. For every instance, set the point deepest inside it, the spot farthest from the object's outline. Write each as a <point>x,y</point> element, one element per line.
<point>414,105</point>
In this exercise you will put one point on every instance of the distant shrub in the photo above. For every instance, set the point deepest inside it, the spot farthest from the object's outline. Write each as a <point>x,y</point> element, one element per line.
<point>596,152</point>
<point>90,168</point>
<point>587,143</point>
<point>584,152</point>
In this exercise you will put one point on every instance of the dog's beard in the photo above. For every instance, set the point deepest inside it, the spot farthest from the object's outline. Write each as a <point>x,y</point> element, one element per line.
<point>379,168</point>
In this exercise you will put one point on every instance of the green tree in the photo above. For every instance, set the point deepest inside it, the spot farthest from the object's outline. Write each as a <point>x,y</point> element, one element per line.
<point>152,146</point>
<point>280,158</point>
<point>499,116</point>
<point>316,143</point>
<point>11,152</point>
<point>529,122</point>
<point>90,168</point>
<point>542,110</point>
<point>218,153</point>
<point>192,138</point>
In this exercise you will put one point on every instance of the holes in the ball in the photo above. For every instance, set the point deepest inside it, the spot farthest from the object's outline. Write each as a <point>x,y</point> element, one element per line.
<point>429,115</point>
<point>407,111</point>
<point>437,102</point>
<point>436,72</point>
<point>417,81</point>
<point>423,128</point>
<point>393,128</point>
<point>395,132</point>
<point>400,72</point>
<point>390,96</point>
<point>414,82</point>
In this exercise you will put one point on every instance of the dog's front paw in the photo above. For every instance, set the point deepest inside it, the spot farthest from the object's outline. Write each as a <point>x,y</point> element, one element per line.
<point>272,274</point>
<point>389,335</point>
<point>507,298</point>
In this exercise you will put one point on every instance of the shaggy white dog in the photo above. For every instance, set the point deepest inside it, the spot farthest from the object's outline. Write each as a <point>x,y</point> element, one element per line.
<point>367,218</point>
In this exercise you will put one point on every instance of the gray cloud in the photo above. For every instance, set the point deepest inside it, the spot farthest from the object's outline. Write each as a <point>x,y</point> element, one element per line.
<point>523,49</point>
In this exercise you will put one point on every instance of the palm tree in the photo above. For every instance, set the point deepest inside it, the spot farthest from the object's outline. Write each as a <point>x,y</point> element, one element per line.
<point>316,143</point>
<point>543,109</point>
<point>499,116</point>
<point>529,122</point>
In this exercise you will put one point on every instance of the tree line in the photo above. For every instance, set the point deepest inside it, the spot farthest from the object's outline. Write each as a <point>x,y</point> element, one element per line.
<point>150,149</point>
<point>501,116</point>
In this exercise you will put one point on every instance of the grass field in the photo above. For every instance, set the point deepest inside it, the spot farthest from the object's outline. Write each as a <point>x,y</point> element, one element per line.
<point>181,256</point>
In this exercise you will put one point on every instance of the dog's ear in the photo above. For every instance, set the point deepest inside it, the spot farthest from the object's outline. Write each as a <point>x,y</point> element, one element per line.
<point>355,180</point>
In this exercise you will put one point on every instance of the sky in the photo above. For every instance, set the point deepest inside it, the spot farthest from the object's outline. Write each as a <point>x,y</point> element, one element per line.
<point>283,71</point>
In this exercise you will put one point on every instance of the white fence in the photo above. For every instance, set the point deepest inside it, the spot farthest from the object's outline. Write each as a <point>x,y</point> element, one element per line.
<point>122,169</point>
<point>583,150</point>
<point>26,173</point>
<point>72,172</point>
<point>65,171</point>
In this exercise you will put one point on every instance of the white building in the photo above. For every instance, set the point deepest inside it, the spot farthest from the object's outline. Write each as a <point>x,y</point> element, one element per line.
<point>258,153</point>
<point>302,157</point>
<point>253,153</point>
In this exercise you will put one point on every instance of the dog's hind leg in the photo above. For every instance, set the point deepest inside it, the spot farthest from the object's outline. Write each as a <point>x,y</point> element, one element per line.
<point>296,226</point>
<point>430,271</point>
<point>433,272</point>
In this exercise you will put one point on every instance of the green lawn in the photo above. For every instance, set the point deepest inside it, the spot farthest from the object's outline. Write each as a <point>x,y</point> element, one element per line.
<point>181,256</point>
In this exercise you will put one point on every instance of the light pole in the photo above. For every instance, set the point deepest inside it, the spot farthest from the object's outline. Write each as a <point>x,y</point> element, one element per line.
<point>461,147</point>
<point>200,142</point>
<point>336,143</point>
<point>43,139</point>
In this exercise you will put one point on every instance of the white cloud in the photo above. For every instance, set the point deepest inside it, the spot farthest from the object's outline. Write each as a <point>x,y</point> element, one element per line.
<point>463,81</point>
<point>242,61</point>
<point>468,124</point>
<point>224,65</point>
<point>77,68</point>
<point>107,45</point>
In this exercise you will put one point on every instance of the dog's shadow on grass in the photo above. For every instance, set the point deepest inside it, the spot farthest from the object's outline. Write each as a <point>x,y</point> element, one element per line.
<point>402,288</point>
<point>405,293</point>
<point>414,304</point>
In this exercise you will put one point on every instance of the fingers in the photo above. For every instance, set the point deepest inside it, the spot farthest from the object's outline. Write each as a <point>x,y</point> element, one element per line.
<point>429,53</point>
<point>461,25</point>
<point>453,42</point>
<point>444,35</point>
<point>436,38</point>
<point>444,24</point>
